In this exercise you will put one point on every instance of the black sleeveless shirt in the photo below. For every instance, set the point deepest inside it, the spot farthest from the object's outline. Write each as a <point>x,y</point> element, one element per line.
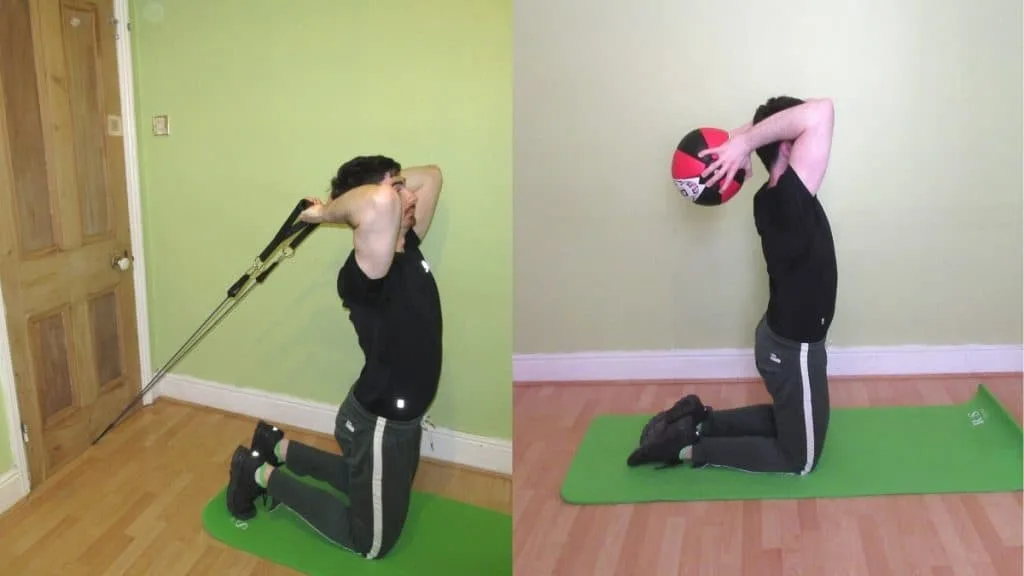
<point>796,240</point>
<point>397,319</point>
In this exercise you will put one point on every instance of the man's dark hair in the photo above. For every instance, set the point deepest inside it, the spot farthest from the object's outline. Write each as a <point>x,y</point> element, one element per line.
<point>362,170</point>
<point>770,152</point>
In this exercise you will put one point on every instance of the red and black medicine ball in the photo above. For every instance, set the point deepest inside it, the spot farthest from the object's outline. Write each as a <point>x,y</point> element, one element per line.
<point>687,167</point>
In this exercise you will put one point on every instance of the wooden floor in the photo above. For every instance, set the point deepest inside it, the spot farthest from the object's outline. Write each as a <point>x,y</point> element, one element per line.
<point>938,535</point>
<point>132,504</point>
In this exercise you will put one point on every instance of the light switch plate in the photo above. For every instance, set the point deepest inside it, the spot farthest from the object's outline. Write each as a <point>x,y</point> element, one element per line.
<point>161,125</point>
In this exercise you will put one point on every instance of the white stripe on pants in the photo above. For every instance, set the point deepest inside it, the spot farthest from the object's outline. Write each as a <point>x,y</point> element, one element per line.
<point>805,385</point>
<point>377,488</point>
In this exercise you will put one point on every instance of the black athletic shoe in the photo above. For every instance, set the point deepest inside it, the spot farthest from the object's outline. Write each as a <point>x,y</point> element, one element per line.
<point>264,438</point>
<point>689,405</point>
<point>242,487</point>
<point>664,444</point>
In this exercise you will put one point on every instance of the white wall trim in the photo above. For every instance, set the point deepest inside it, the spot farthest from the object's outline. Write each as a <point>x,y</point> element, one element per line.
<point>492,454</point>
<point>11,410</point>
<point>129,127</point>
<point>11,489</point>
<point>739,363</point>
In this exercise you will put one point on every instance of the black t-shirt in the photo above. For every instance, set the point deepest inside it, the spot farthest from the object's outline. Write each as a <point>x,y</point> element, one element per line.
<point>397,319</point>
<point>796,240</point>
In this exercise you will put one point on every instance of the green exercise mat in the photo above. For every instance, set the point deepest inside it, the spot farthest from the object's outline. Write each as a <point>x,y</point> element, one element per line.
<point>969,447</point>
<point>441,537</point>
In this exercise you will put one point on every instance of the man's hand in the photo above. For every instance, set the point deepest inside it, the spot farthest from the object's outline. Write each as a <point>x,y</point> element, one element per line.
<point>315,213</point>
<point>732,156</point>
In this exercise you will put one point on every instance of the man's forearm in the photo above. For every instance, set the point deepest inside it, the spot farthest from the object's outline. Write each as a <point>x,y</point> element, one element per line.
<point>786,125</point>
<point>418,176</point>
<point>741,130</point>
<point>347,208</point>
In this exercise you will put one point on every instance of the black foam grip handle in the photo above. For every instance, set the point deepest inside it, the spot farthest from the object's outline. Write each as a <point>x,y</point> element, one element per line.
<point>270,248</point>
<point>285,231</point>
<point>237,286</point>
<point>303,235</point>
<point>263,275</point>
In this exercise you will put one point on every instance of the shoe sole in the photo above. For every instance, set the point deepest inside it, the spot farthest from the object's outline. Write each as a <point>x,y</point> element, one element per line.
<point>236,466</point>
<point>644,454</point>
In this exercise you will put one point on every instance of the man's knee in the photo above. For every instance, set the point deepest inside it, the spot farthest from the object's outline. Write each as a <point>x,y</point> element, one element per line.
<point>799,463</point>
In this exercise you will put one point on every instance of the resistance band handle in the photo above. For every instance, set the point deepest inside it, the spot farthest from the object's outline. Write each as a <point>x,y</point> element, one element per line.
<point>303,235</point>
<point>263,275</point>
<point>306,231</point>
<point>238,285</point>
<point>286,229</point>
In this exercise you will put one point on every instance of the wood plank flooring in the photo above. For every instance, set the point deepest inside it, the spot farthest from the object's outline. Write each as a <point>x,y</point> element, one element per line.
<point>132,504</point>
<point>935,535</point>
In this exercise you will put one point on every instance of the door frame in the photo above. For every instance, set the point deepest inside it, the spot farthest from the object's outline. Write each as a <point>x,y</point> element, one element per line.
<point>126,83</point>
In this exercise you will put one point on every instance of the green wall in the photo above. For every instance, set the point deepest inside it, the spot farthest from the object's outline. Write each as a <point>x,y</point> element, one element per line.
<point>923,188</point>
<point>266,100</point>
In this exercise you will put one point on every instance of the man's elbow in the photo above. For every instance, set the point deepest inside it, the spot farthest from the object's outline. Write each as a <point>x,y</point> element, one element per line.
<point>433,180</point>
<point>384,201</point>
<point>824,111</point>
<point>370,204</point>
<point>435,175</point>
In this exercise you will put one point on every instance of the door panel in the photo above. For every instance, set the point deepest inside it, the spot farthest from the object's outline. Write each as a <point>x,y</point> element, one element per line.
<point>106,337</point>
<point>81,27</point>
<point>53,362</point>
<point>70,310</point>
<point>24,127</point>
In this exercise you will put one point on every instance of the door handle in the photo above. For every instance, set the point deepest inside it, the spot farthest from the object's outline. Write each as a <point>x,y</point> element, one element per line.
<point>122,263</point>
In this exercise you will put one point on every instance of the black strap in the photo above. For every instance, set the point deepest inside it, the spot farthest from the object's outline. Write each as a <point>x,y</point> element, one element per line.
<point>287,230</point>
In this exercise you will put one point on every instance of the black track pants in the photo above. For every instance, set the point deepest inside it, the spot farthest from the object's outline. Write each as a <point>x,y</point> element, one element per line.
<point>376,470</point>
<point>785,436</point>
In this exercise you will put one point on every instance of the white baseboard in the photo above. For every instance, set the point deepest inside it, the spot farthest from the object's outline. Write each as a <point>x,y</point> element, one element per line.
<point>739,363</point>
<point>493,454</point>
<point>11,489</point>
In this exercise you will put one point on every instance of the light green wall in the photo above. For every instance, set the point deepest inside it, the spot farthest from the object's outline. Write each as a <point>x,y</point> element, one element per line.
<point>266,100</point>
<point>924,189</point>
<point>6,452</point>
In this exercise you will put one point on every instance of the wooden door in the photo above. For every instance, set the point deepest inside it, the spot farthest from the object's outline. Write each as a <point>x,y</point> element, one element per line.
<point>70,304</point>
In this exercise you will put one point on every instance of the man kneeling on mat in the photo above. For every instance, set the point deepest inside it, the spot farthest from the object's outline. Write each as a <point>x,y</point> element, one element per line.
<point>394,305</point>
<point>793,138</point>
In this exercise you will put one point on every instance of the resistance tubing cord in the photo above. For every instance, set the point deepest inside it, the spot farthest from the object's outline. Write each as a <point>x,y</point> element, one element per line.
<point>297,232</point>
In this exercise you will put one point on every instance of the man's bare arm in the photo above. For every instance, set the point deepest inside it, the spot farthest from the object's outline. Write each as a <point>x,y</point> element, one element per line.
<point>374,212</point>
<point>350,208</point>
<point>425,182</point>
<point>376,233</point>
<point>809,126</point>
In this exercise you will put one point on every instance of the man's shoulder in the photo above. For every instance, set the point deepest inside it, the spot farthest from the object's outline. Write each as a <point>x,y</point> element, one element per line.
<point>789,191</point>
<point>791,181</point>
<point>354,285</point>
<point>412,240</point>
